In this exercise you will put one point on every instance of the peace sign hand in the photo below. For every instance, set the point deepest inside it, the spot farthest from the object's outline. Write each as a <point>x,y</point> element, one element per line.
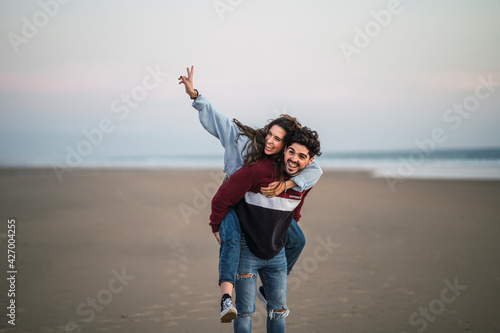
<point>188,83</point>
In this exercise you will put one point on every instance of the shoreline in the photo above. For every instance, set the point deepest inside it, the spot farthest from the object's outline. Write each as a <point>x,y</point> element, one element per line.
<point>475,173</point>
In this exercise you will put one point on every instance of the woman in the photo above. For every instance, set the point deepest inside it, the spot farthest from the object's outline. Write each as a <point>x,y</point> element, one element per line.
<point>244,145</point>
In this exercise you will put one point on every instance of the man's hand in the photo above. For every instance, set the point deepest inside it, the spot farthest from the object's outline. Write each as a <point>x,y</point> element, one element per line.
<point>188,82</point>
<point>216,234</point>
<point>273,189</point>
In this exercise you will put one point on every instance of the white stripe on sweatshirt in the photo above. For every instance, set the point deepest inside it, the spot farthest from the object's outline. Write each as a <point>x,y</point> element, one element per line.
<point>276,203</point>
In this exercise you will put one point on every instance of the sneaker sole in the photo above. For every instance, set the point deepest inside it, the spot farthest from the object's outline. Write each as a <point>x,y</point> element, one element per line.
<point>229,315</point>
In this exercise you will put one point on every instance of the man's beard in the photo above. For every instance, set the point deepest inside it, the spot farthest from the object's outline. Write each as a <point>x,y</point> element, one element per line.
<point>299,170</point>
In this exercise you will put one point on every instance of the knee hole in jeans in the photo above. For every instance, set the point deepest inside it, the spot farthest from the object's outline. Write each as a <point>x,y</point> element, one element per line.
<point>279,314</point>
<point>245,276</point>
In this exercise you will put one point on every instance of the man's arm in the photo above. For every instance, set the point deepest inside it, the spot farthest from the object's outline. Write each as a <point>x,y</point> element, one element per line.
<point>296,212</point>
<point>229,194</point>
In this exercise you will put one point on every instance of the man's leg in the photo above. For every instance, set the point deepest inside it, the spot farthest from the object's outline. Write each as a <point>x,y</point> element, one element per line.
<point>295,242</point>
<point>229,255</point>
<point>276,289</point>
<point>246,287</point>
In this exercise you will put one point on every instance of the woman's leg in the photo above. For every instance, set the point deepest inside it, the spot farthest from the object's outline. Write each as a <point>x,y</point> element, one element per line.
<point>295,242</point>
<point>229,251</point>
<point>229,256</point>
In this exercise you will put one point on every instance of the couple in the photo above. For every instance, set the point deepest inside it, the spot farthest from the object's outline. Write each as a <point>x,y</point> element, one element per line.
<point>255,212</point>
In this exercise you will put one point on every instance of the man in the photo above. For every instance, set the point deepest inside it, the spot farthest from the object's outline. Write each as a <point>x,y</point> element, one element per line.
<point>264,223</point>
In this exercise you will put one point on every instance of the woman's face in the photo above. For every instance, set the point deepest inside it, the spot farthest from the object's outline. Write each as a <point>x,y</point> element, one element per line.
<point>274,140</point>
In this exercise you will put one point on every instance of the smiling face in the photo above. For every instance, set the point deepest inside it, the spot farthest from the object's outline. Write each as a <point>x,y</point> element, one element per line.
<point>274,140</point>
<point>296,159</point>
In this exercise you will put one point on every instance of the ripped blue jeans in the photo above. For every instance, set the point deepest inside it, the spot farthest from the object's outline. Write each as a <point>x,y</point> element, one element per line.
<point>274,270</point>
<point>229,251</point>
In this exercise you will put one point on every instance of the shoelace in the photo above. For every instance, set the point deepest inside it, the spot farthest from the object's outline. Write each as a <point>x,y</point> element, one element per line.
<point>227,303</point>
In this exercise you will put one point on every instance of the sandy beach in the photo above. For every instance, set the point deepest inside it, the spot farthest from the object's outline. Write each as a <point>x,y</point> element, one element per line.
<point>131,251</point>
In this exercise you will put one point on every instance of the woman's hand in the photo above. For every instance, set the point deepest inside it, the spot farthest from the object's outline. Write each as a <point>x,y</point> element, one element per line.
<point>188,82</point>
<point>273,189</point>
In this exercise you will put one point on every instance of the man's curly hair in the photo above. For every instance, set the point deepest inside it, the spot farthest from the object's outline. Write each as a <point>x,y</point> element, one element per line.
<point>308,138</point>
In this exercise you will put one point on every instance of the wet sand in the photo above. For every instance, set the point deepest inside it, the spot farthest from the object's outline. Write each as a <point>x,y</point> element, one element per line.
<point>131,251</point>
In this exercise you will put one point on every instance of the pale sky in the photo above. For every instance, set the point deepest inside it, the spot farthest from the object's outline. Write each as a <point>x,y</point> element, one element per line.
<point>66,65</point>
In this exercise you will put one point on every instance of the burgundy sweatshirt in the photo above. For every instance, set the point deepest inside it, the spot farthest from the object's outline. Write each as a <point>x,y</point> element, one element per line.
<point>264,221</point>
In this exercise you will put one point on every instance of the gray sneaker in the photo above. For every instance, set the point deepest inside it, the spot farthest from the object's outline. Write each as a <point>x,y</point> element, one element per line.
<point>227,310</point>
<point>261,294</point>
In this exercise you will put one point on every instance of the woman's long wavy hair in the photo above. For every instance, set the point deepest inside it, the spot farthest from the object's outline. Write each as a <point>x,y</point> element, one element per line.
<point>254,148</point>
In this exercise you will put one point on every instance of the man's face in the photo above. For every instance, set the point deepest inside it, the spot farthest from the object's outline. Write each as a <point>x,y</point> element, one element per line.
<point>296,159</point>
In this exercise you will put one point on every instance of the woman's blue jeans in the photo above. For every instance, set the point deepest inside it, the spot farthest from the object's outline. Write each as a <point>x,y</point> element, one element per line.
<point>229,251</point>
<point>274,271</point>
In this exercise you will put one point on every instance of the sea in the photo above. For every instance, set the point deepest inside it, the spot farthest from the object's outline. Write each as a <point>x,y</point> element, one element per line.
<point>439,164</point>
